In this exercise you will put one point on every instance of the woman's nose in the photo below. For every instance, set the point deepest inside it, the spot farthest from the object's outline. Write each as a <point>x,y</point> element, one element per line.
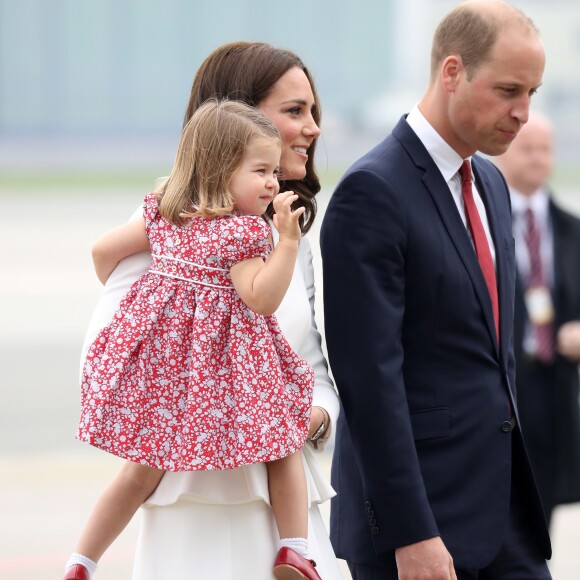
<point>311,129</point>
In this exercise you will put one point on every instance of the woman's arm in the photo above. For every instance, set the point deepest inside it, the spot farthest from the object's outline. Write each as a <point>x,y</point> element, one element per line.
<point>262,285</point>
<point>118,244</point>
<point>325,396</point>
<point>122,278</point>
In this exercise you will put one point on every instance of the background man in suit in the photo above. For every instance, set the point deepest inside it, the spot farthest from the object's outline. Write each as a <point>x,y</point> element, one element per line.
<point>419,273</point>
<point>547,315</point>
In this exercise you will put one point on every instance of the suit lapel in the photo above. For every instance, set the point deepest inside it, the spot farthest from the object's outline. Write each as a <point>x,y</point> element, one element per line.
<point>453,223</point>
<point>458,233</point>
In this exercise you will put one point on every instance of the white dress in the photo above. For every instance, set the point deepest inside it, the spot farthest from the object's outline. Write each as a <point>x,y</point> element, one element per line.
<point>218,524</point>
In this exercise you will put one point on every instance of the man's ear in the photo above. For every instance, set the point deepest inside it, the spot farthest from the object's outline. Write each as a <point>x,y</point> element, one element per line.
<point>451,72</point>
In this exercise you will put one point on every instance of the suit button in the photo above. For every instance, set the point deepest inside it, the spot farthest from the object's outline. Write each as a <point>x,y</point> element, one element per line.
<point>370,513</point>
<point>373,522</point>
<point>507,426</point>
<point>374,530</point>
<point>368,505</point>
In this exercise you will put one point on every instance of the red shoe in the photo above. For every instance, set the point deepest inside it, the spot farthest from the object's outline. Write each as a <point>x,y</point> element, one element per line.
<point>77,572</point>
<point>292,566</point>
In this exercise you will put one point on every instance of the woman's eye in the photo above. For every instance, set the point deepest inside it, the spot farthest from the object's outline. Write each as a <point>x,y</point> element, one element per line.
<point>294,110</point>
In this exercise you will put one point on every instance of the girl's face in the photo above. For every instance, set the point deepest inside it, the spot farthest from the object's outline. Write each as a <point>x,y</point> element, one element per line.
<point>254,184</point>
<point>289,106</point>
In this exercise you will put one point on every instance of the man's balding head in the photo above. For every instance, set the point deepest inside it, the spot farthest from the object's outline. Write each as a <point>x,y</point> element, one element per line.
<point>471,29</point>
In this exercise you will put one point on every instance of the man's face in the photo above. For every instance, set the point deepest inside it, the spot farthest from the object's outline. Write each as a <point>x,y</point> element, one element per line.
<point>528,162</point>
<point>487,111</point>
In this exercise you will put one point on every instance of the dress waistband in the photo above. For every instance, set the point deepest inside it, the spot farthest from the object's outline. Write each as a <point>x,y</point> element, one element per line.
<point>191,272</point>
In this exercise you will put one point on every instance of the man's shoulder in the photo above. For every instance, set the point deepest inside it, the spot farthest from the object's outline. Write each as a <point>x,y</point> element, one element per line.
<point>489,176</point>
<point>387,158</point>
<point>563,216</point>
<point>486,166</point>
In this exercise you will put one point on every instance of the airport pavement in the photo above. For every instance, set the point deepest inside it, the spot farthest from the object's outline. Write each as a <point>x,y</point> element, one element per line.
<point>44,500</point>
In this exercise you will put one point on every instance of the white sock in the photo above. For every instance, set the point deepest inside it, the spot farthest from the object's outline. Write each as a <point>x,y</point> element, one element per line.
<point>299,545</point>
<point>83,561</point>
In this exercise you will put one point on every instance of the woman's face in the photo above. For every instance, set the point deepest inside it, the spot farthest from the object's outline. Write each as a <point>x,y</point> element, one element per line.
<point>289,105</point>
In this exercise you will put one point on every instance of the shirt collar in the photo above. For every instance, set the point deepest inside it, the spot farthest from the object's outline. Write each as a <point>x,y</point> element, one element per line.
<point>445,157</point>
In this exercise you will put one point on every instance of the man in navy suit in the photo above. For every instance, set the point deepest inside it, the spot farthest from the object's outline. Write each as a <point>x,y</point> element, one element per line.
<point>432,476</point>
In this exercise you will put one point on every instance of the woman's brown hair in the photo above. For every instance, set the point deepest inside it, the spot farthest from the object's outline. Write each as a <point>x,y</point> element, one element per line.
<point>246,72</point>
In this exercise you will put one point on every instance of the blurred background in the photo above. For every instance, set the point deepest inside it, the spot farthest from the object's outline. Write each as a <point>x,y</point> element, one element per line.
<point>92,96</point>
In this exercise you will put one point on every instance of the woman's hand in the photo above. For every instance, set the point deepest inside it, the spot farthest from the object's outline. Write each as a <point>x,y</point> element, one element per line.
<point>316,417</point>
<point>319,426</point>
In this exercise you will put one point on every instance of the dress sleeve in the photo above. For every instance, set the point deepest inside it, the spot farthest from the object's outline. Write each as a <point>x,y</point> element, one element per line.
<point>242,238</point>
<point>150,210</point>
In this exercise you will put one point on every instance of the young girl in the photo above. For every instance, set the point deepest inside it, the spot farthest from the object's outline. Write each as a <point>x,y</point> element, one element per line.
<point>193,372</point>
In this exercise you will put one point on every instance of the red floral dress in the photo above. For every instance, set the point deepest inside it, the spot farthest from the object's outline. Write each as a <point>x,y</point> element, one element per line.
<point>186,376</point>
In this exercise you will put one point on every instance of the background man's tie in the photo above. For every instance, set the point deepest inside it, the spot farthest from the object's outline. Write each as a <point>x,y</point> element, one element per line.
<point>543,329</point>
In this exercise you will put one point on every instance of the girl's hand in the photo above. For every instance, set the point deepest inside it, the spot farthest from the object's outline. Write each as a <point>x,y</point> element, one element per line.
<point>286,220</point>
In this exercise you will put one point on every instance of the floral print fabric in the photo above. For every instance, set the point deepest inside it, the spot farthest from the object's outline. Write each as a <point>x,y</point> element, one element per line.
<point>186,376</point>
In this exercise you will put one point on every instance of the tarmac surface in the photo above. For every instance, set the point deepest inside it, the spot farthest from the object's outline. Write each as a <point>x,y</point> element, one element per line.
<point>49,481</point>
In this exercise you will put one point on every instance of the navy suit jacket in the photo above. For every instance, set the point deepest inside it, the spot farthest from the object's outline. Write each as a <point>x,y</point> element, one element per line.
<point>425,387</point>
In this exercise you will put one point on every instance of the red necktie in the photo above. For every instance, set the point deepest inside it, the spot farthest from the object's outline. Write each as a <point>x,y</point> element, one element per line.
<point>479,241</point>
<point>544,332</point>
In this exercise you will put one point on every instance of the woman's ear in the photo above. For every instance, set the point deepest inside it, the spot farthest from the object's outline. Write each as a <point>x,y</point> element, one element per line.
<point>451,72</point>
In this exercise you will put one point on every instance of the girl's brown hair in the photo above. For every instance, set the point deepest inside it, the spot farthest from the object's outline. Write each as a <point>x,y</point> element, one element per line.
<point>246,72</point>
<point>212,146</point>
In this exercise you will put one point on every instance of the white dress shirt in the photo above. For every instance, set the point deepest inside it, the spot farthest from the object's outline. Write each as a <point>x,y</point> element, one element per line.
<point>538,202</point>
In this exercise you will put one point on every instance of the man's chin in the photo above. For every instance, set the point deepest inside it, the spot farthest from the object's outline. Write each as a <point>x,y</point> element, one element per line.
<point>495,149</point>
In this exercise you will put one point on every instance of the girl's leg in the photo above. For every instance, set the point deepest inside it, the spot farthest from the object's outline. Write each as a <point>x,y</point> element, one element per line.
<point>115,508</point>
<point>289,496</point>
